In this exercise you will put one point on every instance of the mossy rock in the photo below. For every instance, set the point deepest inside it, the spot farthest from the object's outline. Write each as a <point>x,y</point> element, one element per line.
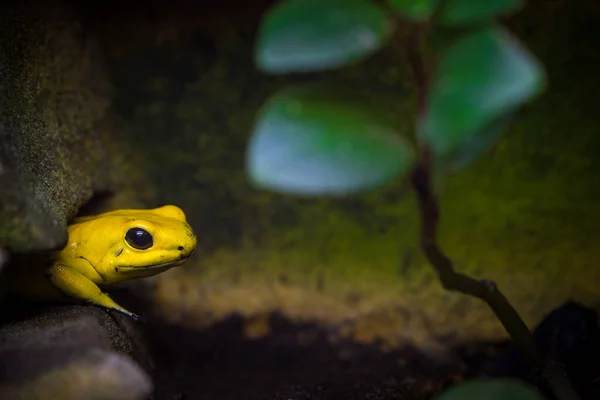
<point>58,143</point>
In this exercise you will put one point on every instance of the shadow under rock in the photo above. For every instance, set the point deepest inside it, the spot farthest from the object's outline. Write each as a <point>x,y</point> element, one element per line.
<point>293,361</point>
<point>300,362</point>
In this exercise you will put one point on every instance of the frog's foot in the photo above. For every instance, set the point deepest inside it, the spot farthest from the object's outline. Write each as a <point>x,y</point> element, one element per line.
<point>131,315</point>
<point>76,285</point>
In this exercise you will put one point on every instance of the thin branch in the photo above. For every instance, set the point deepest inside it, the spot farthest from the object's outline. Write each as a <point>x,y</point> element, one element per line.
<point>415,59</point>
<point>451,280</point>
<point>485,290</point>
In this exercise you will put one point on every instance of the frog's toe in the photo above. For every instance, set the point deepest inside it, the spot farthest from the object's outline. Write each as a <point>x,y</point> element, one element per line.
<point>131,315</point>
<point>135,317</point>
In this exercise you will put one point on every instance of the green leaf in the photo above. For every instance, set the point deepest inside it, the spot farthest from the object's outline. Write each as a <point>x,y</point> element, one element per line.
<point>483,141</point>
<point>466,12</point>
<point>313,35</point>
<point>483,76</point>
<point>415,9</point>
<point>488,389</point>
<point>313,140</point>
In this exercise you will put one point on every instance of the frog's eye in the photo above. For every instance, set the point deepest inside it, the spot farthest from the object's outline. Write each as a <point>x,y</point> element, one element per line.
<point>139,239</point>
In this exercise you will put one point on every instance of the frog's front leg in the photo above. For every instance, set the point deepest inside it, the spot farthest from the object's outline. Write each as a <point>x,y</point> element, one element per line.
<point>77,285</point>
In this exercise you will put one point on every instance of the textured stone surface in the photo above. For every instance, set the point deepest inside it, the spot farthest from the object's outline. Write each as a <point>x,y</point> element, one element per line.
<point>58,144</point>
<point>71,352</point>
<point>92,374</point>
<point>60,147</point>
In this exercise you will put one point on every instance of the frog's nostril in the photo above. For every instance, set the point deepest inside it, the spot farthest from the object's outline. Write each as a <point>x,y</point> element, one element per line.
<point>180,248</point>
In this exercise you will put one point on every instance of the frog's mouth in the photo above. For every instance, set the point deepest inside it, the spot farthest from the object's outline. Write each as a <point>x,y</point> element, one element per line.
<point>168,264</point>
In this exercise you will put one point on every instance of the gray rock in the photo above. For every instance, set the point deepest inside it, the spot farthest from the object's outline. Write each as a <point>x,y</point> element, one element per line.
<point>59,140</point>
<point>72,352</point>
<point>59,147</point>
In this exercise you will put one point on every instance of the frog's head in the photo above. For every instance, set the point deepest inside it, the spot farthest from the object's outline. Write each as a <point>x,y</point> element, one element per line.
<point>126,244</point>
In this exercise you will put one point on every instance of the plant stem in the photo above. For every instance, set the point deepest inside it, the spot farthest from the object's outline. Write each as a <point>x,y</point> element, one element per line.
<point>485,290</point>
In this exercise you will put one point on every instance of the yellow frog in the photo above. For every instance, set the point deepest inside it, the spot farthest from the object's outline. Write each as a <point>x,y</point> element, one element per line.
<point>109,248</point>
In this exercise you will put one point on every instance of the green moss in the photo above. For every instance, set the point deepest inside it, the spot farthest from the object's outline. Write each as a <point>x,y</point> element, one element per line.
<point>523,215</point>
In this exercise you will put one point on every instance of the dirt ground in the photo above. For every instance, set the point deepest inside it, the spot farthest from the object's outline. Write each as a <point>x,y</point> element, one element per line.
<point>298,362</point>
